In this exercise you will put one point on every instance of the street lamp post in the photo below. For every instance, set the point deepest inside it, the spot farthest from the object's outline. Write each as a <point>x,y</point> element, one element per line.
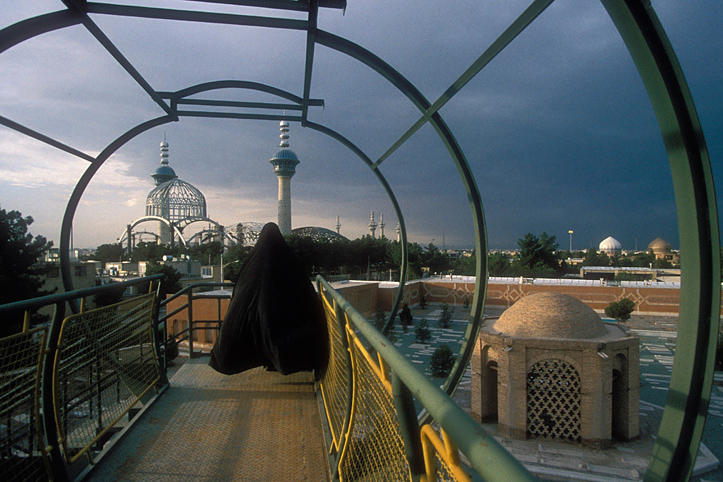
<point>570,232</point>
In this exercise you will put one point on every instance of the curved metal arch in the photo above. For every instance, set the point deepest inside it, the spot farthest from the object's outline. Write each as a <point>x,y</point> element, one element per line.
<point>231,84</point>
<point>212,231</point>
<point>23,30</point>
<point>82,184</point>
<point>681,428</point>
<point>417,98</point>
<point>146,219</point>
<point>400,217</point>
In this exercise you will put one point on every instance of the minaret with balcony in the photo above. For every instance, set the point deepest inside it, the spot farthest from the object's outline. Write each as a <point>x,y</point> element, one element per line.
<point>284,162</point>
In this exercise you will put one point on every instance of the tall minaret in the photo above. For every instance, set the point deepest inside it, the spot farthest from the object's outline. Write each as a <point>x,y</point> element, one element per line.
<point>381,225</point>
<point>284,163</point>
<point>372,226</point>
<point>338,225</point>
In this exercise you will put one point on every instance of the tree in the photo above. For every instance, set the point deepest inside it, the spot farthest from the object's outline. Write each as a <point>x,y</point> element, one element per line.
<point>422,333</point>
<point>595,258</point>
<point>498,264</point>
<point>442,361</point>
<point>109,252</point>
<point>171,283</point>
<point>19,269</point>
<point>620,310</point>
<point>445,318</point>
<point>537,255</point>
<point>109,297</point>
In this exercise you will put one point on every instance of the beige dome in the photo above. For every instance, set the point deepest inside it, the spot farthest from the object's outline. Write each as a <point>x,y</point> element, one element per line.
<point>659,245</point>
<point>550,315</point>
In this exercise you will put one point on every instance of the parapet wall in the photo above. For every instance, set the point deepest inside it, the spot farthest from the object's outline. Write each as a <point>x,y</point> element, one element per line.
<point>648,299</point>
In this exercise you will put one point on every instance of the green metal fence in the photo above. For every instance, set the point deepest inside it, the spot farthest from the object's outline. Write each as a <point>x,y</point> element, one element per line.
<point>63,387</point>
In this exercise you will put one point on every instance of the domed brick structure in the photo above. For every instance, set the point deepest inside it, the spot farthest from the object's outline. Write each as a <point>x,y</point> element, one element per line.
<point>549,367</point>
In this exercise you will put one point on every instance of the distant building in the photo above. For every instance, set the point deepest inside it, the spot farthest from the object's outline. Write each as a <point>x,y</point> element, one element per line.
<point>172,199</point>
<point>284,162</point>
<point>550,368</point>
<point>661,249</point>
<point>610,246</point>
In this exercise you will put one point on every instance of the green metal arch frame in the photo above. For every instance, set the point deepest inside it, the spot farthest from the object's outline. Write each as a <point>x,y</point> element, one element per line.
<point>415,96</point>
<point>683,420</point>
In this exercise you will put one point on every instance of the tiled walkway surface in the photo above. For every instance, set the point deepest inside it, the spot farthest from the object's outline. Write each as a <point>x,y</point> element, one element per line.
<point>254,426</point>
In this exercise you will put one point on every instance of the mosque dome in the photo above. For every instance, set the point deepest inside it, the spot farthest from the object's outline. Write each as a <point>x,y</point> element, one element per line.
<point>176,200</point>
<point>552,316</point>
<point>659,245</point>
<point>610,244</point>
<point>317,233</point>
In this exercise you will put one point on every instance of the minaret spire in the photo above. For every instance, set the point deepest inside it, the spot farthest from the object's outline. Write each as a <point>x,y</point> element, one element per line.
<point>372,226</point>
<point>284,162</point>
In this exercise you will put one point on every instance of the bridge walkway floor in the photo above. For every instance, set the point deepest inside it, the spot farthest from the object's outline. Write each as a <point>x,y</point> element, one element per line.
<point>253,426</point>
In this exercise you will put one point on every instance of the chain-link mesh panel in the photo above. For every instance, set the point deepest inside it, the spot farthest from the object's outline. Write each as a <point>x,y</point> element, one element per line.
<point>442,463</point>
<point>105,363</point>
<point>335,380</point>
<point>22,455</point>
<point>553,400</point>
<point>374,450</point>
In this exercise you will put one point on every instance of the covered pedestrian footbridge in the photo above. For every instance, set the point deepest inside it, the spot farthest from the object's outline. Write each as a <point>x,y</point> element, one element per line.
<point>67,387</point>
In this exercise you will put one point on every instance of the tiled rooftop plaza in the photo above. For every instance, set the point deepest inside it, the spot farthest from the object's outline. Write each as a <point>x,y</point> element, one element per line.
<point>551,460</point>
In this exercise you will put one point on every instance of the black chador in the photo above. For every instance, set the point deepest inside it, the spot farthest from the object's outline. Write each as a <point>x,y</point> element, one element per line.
<point>275,318</point>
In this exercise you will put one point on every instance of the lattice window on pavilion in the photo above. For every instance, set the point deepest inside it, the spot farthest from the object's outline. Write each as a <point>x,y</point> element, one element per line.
<point>553,400</point>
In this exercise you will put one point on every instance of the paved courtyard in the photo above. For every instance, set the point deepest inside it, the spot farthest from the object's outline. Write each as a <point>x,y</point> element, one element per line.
<point>558,461</point>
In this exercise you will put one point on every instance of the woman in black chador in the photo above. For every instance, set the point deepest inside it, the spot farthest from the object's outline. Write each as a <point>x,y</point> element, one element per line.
<point>275,318</point>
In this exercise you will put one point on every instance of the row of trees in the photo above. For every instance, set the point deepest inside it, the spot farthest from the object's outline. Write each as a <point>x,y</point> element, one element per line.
<point>538,256</point>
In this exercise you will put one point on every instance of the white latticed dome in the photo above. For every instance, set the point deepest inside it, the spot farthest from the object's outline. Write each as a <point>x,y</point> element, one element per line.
<point>176,200</point>
<point>610,244</point>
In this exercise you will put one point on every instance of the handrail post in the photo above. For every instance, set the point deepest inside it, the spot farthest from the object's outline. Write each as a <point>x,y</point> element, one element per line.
<point>160,337</point>
<point>409,427</point>
<point>189,314</point>
<point>52,444</point>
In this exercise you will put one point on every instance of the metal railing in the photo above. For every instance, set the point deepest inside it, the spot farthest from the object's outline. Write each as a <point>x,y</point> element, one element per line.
<point>192,292</point>
<point>64,386</point>
<point>375,434</point>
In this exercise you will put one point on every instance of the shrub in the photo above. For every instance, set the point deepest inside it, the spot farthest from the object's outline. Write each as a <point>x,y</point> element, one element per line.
<point>442,361</point>
<point>445,319</point>
<point>620,310</point>
<point>423,335</point>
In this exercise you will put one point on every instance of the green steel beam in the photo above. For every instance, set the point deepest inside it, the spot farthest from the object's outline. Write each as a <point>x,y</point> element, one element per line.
<point>103,39</point>
<point>309,62</point>
<point>195,16</point>
<point>296,5</point>
<point>681,428</point>
<point>242,105</point>
<point>521,23</point>
<point>43,138</point>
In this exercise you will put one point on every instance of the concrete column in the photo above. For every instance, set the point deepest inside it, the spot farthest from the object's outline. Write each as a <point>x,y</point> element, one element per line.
<point>284,205</point>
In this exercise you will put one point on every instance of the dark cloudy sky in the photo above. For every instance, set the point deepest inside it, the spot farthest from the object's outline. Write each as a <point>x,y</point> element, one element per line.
<point>557,128</point>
